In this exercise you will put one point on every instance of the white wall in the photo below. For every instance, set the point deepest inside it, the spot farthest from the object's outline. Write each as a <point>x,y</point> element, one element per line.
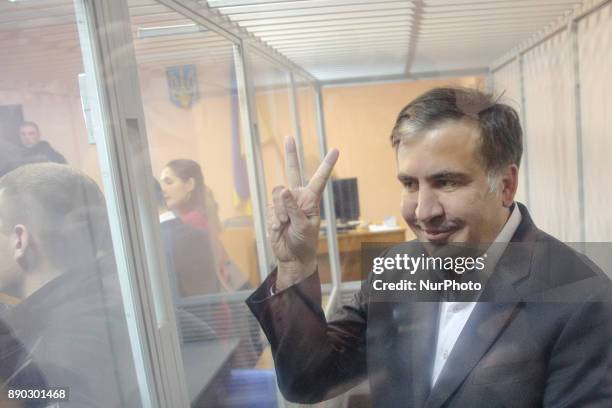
<point>595,51</point>
<point>507,84</point>
<point>550,130</point>
<point>569,167</point>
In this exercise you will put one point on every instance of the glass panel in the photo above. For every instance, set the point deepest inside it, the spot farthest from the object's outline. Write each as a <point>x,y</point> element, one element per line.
<point>307,115</point>
<point>275,121</point>
<point>62,317</point>
<point>274,117</point>
<point>307,110</point>
<point>193,123</point>
<point>350,183</point>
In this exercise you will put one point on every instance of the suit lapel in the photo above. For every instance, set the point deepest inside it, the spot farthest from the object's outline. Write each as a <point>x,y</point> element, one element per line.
<point>415,343</point>
<point>416,348</point>
<point>485,324</point>
<point>495,309</point>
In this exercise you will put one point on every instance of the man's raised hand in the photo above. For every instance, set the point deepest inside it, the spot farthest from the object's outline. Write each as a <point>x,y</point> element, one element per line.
<point>294,216</point>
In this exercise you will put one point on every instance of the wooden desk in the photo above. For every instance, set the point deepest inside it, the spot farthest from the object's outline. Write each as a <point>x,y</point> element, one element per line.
<point>349,246</point>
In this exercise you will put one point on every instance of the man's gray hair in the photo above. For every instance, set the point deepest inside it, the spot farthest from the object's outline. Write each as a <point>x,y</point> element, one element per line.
<point>501,136</point>
<point>62,207</point>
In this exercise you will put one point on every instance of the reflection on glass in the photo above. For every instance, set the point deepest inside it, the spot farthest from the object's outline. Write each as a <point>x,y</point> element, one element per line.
<point>309,145</point>
<point>274,117</point>
<point>62,319</point>
<point>307,114</point>
<point>192,117</point>
<point>357,180</point>
<point>192,120</point>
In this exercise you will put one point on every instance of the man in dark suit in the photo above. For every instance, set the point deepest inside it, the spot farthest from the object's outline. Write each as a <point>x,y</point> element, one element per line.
<point>536,329</point>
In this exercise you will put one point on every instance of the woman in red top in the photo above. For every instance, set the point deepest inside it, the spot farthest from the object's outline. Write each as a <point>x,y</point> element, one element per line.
<point>188,197</point>
<point>182,183</point>
<point>186,194</point>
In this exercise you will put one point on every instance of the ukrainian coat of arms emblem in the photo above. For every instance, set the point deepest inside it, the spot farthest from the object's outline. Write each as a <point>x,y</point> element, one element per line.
<point>183,85</point>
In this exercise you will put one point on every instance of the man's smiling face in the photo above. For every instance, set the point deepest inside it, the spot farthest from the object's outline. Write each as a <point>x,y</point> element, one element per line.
<point>446,195</point>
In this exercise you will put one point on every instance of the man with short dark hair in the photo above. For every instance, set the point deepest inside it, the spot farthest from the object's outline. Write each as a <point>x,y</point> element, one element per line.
<point>56,256</point>
<point>535,329</point>
<point>35,149</point>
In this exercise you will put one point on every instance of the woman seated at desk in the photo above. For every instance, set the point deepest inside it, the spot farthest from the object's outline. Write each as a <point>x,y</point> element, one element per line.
<point>186,194</point>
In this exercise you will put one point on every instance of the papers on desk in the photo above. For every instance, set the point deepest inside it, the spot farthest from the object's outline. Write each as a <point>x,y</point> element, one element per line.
<point>390,224</point>
<point>381,227</point>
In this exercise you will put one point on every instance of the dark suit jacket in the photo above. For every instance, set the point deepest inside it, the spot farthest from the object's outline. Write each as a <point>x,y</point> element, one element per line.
<point>41,152</point>
<point>75,332</point>
<point>17,369</point>
<point>542,336</point>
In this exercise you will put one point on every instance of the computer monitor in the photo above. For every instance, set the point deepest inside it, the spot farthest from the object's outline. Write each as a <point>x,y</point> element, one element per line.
<point>346,200</point>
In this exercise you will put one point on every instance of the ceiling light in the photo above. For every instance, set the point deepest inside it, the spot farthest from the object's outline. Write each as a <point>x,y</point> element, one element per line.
<point>148,32</point>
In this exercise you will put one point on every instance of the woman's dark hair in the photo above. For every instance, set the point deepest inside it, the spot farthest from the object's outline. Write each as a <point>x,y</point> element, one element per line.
<point>186,169</point>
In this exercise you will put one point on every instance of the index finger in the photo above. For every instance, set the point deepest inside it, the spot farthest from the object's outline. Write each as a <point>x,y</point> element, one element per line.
<point>292,164</point>
<point>318,181</point>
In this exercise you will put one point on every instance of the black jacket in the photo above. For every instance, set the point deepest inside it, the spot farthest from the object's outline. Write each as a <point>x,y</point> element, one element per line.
<point>540,336</point>
<point>190,259</point>
<point>17,369</point>
<point>42,152</point>
<point>75,331</point>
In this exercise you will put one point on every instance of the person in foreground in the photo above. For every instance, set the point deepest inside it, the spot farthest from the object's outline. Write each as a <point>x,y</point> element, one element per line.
<point>537,334</point>
<point>56,256</point>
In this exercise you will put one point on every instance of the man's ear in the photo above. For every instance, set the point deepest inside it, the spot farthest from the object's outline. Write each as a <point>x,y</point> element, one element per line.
<point>21,242</point>
<point>509,184</point>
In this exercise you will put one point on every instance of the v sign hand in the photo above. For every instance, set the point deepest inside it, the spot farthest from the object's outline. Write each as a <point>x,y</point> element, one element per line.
<point>294,216</point>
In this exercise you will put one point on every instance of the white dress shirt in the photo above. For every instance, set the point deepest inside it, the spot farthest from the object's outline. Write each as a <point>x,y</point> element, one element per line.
<point>166,216</point>
<point>454,315</point>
